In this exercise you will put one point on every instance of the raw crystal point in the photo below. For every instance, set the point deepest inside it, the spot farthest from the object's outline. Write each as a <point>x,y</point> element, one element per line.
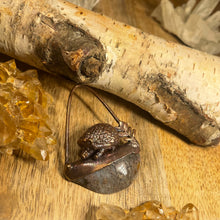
<point>193,22</point>
<point>149,210</point>
<point>24,121</point>
<point>189,211</point>
<point>8,127</point>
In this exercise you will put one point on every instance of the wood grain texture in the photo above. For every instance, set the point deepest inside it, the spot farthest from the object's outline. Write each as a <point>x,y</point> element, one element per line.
<point>39,190</point>
<point>172,171</point>
<point>192,174</point>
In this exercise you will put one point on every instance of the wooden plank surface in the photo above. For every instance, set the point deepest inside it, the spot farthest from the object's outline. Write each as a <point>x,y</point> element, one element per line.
<point>172,171</point>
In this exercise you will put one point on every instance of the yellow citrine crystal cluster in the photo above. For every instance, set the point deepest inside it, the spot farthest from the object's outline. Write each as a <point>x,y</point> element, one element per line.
<point>151,210</point>
<point>24,121</point>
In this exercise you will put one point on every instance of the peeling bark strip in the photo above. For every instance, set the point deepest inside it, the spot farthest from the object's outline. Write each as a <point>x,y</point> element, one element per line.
<point>49,41</point>
<point>64,43</point>
<point>177,85</point>
<point>201,128</point>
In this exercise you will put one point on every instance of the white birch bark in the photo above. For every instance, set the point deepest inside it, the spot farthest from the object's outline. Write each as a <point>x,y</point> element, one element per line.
<point>175,84</point>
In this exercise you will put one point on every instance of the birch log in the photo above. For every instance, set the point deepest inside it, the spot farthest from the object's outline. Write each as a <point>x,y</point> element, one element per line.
<point>175,84</point>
